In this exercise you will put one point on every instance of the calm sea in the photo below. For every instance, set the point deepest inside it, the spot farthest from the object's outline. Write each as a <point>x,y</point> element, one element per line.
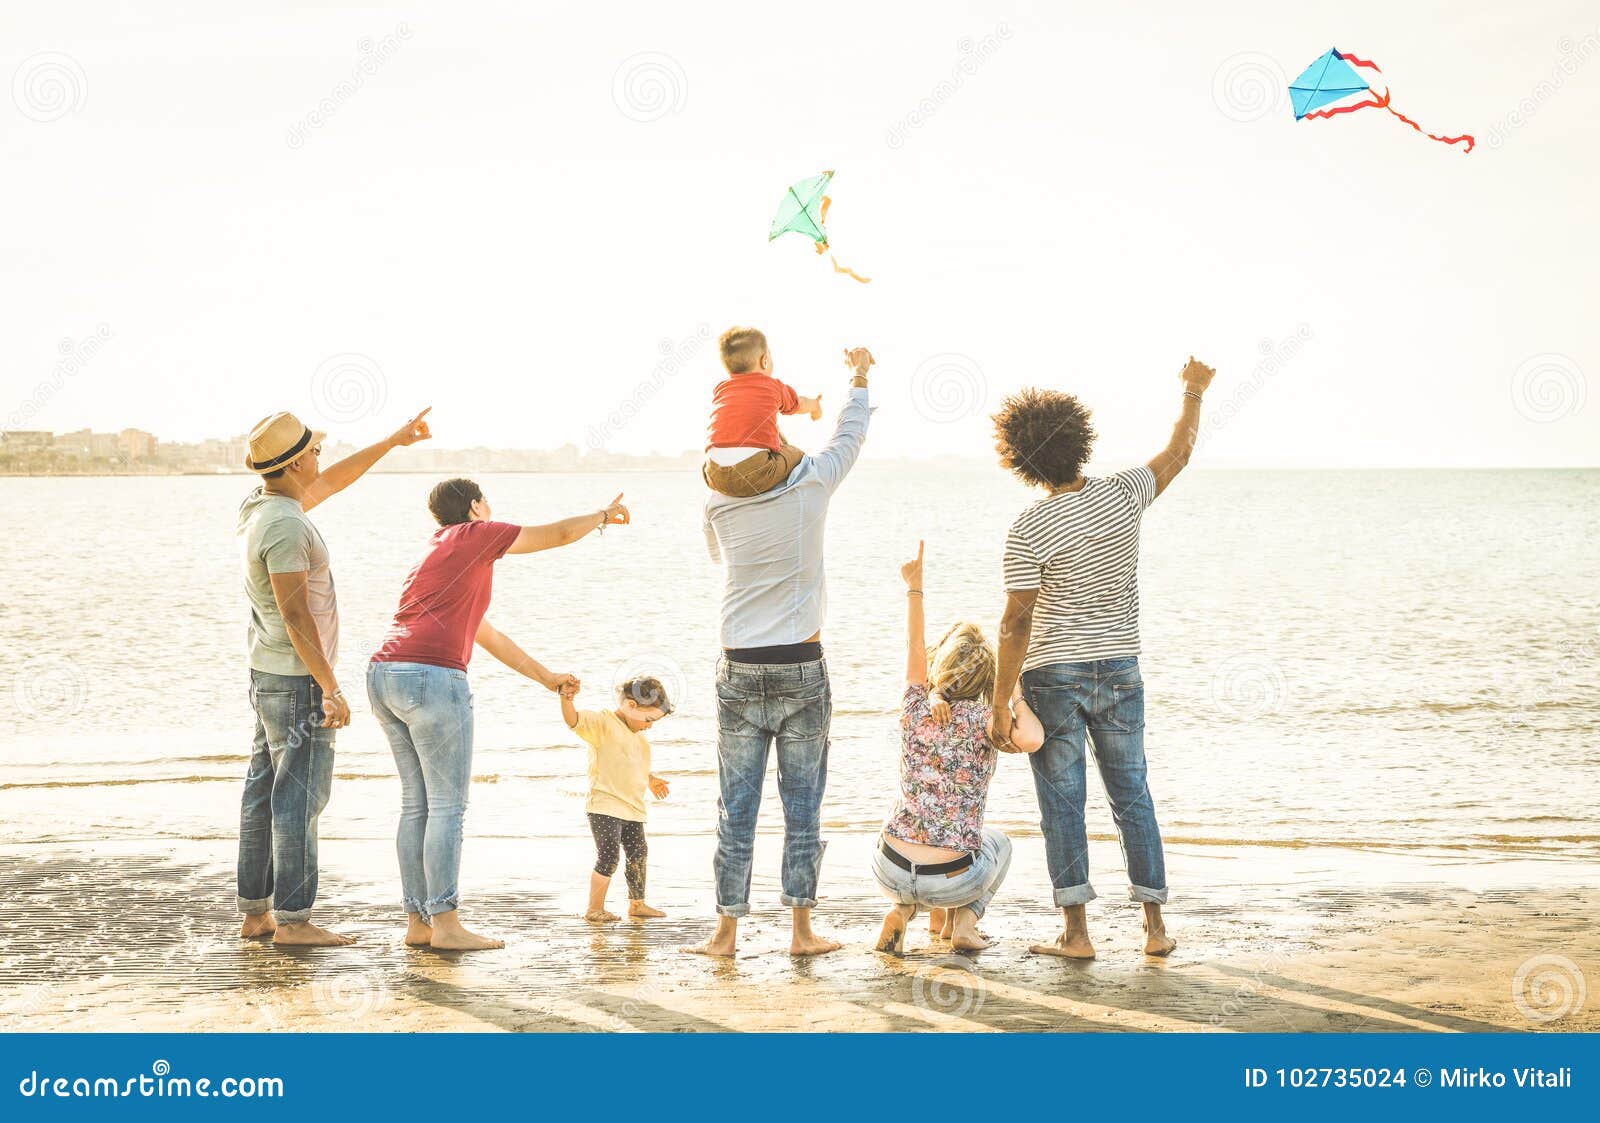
<point>1362,659</point>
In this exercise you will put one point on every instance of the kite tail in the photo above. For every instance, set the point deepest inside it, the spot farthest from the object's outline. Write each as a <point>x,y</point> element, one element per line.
<point>851,273</point>
<point>1470,141</point>
<point>1383,102</point>
<point>1353,61</point>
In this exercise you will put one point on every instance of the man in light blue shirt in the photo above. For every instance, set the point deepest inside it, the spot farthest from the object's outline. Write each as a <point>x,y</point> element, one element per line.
<point>772,681</point>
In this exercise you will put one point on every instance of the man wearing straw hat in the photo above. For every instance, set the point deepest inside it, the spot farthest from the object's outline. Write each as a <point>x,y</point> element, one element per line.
<point>293,640</point>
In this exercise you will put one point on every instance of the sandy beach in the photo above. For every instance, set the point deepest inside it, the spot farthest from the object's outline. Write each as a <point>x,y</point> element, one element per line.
<point>124,936</point>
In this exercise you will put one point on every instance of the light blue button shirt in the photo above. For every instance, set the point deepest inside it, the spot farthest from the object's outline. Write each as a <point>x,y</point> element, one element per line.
<point>771,544</point>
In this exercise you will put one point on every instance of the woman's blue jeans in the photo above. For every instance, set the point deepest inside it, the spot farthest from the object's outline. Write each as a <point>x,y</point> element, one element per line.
<point>426,712</point>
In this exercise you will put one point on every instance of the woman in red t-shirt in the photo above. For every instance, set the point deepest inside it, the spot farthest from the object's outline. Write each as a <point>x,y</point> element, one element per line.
<point>417,684</point>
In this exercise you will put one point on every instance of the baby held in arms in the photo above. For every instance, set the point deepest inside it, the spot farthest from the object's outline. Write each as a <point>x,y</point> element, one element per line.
<point>745,453</point>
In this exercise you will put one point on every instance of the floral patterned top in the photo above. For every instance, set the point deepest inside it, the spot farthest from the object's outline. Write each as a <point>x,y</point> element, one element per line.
<point>944,773</point>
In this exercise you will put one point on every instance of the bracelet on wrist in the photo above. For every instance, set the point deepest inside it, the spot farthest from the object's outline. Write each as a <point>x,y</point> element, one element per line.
<point>913,592</point>
<point>1191,394</point>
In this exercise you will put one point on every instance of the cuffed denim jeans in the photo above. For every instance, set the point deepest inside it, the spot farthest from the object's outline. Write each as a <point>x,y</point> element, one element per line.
<point>1104,697</point>
<point>285,790</point>
<point>426,712</point>
<point>759,705</point>
<point>972,888</point>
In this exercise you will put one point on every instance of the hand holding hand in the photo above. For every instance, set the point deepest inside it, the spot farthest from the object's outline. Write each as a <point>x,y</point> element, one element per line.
<point>564,685</point>
<point>1000,729</point>
<point>911,571</point>
<point>335,712</point>
<point>940,707</point>
<point>859,359</point>
<point>413,431</point>
<point>1196,375</point>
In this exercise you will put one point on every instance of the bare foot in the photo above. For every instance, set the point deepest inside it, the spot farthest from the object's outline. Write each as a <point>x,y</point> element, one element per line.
<point>463,940</point>
<point>975,941</point>
<point>642,910</point>
<point>892,938</point>
<point>1068,945</point>
<point>938,922</point>
<point>812,945</point>
<point>601,916</point>
<point>419,934</point>
<point>307,934</point>
<point>717,946</point>
<point>1157,942</point>
<point>258,925</point>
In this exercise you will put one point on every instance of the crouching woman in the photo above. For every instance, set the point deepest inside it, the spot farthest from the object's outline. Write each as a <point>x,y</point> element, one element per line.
<point>935,851</point>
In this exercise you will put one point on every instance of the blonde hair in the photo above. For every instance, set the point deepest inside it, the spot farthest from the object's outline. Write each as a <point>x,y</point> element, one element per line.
<point>962,664</point>
<point>741,349</point>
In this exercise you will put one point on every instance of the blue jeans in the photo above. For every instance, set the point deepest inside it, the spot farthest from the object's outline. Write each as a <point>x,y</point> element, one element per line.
<point>757,704</point>
<point>972,888</point>
<point>426,712</point>
<point>1106,698</point>
<point>285,790</point>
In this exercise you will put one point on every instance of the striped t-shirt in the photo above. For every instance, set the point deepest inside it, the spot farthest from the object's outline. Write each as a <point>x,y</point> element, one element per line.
<point>1080,549</point>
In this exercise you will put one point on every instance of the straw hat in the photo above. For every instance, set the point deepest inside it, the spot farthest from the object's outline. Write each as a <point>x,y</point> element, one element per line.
<point>278,441</point>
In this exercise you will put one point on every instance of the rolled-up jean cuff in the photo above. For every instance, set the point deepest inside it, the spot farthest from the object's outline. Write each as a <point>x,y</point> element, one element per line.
<point>975,906</point>
<point>414,908</point>
<point>254,908</point>
<point>1148,896</point>
<point>797,902</point>
<point>298,916</point>
<point>1075,895</point>
<point>448,904</point>
<point>735,911</point>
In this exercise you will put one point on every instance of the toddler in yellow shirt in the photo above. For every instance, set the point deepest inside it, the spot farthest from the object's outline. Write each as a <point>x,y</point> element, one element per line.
<point>619,773</point>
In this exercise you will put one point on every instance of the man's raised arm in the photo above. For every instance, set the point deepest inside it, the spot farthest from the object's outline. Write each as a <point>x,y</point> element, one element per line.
<point>336,477</point>
<point>1196,376</point>
<point>834,462</point>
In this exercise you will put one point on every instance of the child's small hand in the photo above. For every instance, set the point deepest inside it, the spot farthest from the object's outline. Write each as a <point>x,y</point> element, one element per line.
<point>940,707</point>
<point>816,408</point>
<point>658,787</point>
<point>568,689</point>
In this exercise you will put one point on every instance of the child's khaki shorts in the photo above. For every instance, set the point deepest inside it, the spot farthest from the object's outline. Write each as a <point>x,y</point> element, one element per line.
<point>754,474</point>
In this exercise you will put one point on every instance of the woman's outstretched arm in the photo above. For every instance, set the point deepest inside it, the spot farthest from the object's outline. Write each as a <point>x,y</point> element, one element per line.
<point>568,531</point>
<point>501,646</point>
<point>916,639</point>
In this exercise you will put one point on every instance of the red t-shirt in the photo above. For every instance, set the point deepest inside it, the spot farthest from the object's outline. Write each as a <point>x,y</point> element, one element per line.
<point>744,409</point>
<point>446,595</point>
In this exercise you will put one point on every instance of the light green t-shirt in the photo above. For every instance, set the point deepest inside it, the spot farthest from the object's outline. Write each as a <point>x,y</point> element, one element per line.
<point>275,536</point>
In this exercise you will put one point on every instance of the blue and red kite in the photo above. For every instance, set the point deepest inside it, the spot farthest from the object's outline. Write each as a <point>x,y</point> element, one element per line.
<point>1333,77</point>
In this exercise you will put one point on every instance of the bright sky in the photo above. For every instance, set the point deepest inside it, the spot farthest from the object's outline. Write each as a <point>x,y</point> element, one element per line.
<point>502,223</point>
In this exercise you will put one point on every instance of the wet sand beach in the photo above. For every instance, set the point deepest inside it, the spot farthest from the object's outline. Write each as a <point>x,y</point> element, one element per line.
<point>129,937</point>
